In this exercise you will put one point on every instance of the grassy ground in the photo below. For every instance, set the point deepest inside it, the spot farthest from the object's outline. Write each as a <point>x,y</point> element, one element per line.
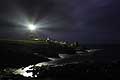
<point>21,52</point>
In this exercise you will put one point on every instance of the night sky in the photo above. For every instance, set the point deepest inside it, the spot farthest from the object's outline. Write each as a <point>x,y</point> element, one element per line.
<point>86,21</point>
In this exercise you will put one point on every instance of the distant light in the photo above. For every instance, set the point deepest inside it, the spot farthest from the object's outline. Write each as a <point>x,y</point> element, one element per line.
<point>32,27</point>
<point>48,38</point>
<point>36,39</point>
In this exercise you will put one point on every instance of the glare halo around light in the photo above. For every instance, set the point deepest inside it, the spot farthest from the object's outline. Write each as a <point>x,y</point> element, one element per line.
<point>32,27</point>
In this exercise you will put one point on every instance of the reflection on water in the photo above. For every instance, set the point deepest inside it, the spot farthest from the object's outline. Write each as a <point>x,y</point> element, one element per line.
<point>64,59</point>
<point>23,71</point>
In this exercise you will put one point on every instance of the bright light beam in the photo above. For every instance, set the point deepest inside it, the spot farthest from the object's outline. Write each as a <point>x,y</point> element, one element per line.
<point>32,27</point>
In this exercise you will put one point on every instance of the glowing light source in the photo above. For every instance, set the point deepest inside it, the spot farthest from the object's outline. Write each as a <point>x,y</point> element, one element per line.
<point>36,39</point>
<point>32,27</point>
